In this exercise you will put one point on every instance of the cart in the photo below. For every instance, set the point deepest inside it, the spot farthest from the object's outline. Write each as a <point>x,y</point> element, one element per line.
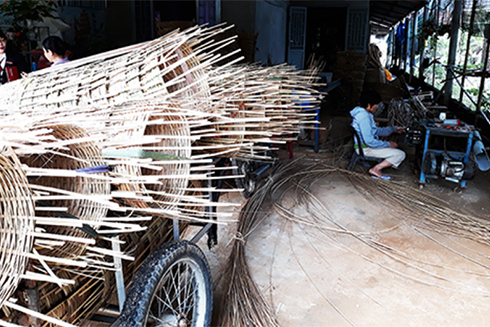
<point>173,286</point>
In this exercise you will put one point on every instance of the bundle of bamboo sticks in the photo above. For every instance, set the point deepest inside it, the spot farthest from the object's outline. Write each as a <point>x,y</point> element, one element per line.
<point>262,105</point>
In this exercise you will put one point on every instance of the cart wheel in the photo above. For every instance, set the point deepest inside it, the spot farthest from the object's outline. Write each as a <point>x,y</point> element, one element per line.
<point>246,183</point>
<point>172,288</point>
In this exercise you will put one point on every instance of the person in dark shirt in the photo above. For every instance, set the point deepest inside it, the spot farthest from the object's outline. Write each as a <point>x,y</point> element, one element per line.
<point>12,63</point>
<point>54,50</point>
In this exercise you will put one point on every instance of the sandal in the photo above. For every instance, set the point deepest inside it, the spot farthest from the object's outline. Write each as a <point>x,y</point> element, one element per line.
<point>383,177</point>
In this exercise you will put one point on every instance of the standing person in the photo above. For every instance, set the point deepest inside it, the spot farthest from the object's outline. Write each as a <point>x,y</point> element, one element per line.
<point>369,133</point>
<point>374,61</point>
<point>54,50</point>
<point>12,63</point>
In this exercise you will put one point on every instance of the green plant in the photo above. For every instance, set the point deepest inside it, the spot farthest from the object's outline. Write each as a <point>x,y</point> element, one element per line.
<point>485,103</point>
<point>19,13</point>
<point>430,31</point>
<point>482,16</point>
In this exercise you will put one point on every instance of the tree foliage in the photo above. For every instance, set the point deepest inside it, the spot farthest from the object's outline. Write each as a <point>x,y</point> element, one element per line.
<point>17,12</point>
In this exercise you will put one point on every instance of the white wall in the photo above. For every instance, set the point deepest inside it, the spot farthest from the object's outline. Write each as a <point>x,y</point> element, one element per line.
<point>271,24</point>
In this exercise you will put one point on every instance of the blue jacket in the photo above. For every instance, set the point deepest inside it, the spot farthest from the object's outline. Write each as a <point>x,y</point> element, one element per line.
<point>363,123</point>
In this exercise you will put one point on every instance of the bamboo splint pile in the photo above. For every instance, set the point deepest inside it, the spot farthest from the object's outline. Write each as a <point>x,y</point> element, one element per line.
<point>244,304</point>
<point>406,113</point>
<point>133,130</point>
<point>263,106</point>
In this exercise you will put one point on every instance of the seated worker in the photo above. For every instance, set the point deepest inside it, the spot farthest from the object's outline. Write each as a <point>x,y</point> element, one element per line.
<point>54,50</point>
<point>369,133</point>
<point>12,63</point>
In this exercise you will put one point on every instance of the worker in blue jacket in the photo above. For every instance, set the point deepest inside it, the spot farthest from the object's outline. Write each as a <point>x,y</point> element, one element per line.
<point>363,123</point>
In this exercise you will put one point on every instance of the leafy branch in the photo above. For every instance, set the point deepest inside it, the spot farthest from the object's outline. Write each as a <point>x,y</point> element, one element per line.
<point>19,12</point>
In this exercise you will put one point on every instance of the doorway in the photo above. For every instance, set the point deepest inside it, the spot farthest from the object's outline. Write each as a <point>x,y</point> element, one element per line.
<point>325,34</point>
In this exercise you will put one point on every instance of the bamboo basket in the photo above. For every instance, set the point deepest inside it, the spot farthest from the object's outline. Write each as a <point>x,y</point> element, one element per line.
<point>170,129</point>
<point>262,105</point>
<point>75,156</point>
<point>147,70</point>
<point>17,211</point>
<point>178,145</point>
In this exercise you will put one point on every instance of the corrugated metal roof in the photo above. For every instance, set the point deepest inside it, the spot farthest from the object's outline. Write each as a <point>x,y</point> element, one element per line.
<point>384,14</point>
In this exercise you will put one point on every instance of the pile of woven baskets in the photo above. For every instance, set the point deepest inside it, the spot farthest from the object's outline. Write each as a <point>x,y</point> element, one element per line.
<point>121,143</point>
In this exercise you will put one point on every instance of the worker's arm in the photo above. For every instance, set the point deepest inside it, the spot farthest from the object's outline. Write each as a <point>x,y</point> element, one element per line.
<point>385,131</point>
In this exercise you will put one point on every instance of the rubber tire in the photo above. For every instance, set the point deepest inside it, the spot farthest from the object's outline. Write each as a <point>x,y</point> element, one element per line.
<point>246,183</point>
<point>141,291</point>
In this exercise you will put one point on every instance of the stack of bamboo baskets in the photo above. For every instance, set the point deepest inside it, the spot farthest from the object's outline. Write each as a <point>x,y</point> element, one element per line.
<point>119,144</point>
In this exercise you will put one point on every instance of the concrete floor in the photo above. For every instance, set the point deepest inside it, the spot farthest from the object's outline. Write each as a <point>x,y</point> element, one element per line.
<point>386,270</point>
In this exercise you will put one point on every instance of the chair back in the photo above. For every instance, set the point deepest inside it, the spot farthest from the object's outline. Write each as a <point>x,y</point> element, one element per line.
<point>359,143</point>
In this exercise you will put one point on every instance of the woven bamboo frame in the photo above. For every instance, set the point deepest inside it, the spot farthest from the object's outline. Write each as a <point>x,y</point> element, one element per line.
<point>261,105</point>
<point>147,70</point>
<point>173,132</point>
<point>75,156</point>
<point>179,146</point>
<point>17,212</point>
<point>75,303</point>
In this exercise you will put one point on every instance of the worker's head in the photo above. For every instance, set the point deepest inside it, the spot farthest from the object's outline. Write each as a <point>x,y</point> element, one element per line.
<point>54,46</point>
<point>3,42</point>
<point>370,100</point>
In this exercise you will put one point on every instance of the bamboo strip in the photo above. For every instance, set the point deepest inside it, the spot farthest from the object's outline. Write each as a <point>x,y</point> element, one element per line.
<point>36,314</point>
<point>29,275</point>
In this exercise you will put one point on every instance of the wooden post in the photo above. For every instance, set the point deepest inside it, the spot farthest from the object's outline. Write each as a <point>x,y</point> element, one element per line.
<point>422,52</point>
<point>392,48</point>
<point>405,47</point>
<point>470,33</point>
<point>438,4</point>
<point>412,48</point>
<point>485,67</point>
<point>453,44</point>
